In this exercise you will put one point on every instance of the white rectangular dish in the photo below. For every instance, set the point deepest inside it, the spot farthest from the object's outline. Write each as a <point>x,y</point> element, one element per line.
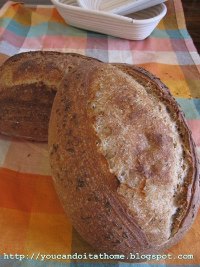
<point>137,27</point>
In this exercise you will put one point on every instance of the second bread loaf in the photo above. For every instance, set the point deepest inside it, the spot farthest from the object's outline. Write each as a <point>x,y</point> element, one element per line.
<point>28,84</point>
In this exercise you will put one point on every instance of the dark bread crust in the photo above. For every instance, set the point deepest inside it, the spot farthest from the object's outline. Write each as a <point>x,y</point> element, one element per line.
<point>28,84</point>
<point>87,189</point>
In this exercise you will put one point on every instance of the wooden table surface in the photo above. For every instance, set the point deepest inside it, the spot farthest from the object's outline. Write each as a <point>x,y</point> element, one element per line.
<point>191,9</point>
<point>192,16</point>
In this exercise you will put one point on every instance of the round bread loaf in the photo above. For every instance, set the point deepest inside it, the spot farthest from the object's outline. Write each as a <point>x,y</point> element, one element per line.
<point>28,84</point>
<point>123,160</point>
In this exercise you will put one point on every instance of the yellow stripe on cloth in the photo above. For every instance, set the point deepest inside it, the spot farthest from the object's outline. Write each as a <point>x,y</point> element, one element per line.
<point>22,14</point>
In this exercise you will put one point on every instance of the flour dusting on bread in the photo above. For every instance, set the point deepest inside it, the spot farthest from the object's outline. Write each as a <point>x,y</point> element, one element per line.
<point>142,145</point>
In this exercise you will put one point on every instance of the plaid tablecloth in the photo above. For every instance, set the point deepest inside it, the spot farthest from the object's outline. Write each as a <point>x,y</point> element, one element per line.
<point>32,222</point>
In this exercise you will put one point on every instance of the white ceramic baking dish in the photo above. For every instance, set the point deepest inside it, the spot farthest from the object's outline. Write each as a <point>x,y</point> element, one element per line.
<point>138,26</point>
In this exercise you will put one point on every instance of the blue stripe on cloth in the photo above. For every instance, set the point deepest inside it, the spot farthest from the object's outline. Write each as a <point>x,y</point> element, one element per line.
<point>62,29</point>
<point>49,28</point>
<point>96,35</point>
<point>98,54</point>
<point>191,107</point>
<point>197,104</point>
<point>172,34</point>
<point>184,58</point>
<point>8,49</point>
